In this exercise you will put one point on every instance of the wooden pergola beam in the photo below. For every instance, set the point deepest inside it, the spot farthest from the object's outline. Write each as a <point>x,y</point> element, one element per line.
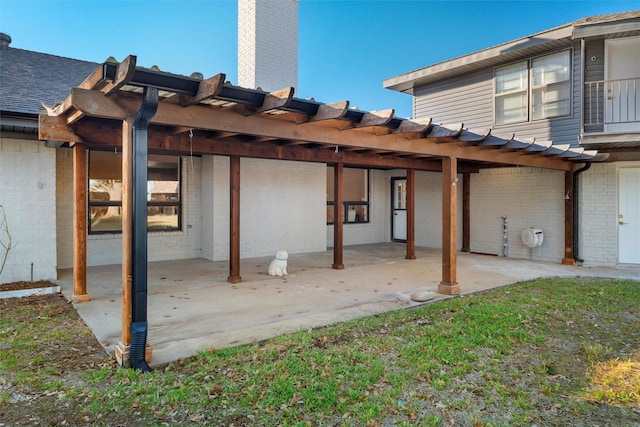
<point>80,203</point>
<point>96,104</point>
<point>449,284</point>
<point>207,89</point>
<point>234,220</point>
<point>411,214</point>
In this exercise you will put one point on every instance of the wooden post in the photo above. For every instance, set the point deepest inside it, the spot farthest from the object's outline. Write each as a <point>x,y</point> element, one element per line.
<point>122,348</point>
<point>80,183</point>
<point>449,284</point>
<point>234,224</point>
<point>568,220</point>
<point>466,212</point>
<point>411,214</point>
<point>338,216</point>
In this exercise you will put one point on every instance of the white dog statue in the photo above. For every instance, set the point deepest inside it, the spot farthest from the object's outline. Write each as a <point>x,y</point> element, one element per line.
<point>278,266</point>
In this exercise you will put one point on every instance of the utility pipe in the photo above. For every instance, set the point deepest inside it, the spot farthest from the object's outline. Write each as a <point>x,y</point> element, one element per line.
<point>139,326</point>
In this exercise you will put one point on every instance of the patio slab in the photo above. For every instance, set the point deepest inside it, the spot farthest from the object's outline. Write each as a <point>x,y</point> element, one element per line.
<point>192,307</point>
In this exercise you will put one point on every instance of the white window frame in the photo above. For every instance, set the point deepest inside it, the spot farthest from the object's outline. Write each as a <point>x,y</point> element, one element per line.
<point>532,90</point>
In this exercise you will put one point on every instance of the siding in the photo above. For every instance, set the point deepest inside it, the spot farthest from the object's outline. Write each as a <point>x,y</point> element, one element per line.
<point>466,99</point>
<point>594,71</point>
<point>469,99</point>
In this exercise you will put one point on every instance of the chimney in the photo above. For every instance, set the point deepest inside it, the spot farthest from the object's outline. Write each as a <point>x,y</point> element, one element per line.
<point>5,41</point>
<point>268,44</point>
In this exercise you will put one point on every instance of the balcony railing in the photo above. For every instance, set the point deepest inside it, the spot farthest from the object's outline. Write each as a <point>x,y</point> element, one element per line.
<point>609,102</point>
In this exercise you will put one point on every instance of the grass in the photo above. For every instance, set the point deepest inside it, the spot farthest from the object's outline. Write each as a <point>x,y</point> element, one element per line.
<point>546,352</point>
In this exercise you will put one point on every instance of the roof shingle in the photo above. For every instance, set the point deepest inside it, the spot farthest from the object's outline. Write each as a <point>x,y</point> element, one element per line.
<point>28,78</point>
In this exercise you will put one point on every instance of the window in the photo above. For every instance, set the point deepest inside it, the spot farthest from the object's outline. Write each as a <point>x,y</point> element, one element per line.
<point>356,195</point>
<point>105,192</point>
<point>541,85</point>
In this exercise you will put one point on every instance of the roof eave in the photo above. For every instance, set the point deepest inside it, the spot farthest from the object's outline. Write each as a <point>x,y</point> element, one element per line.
<point>406,82</point>
<point>605,28</point>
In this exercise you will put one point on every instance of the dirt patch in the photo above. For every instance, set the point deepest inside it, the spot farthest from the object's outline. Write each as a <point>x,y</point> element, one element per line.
<point>17,286</point>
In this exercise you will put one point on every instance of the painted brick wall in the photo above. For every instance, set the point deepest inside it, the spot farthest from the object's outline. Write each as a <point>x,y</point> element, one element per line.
<point>599,214</point>
<point>64,207</point>
<point>27,193</point>
<point>281,207</point>
<point>268,44</point>
<point>429,210</point>
<point>104,249</point>
<point>528,197</point>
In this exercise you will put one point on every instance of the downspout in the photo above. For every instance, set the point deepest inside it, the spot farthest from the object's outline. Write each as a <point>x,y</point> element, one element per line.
<point>139,326</point>
<point>576,214</point>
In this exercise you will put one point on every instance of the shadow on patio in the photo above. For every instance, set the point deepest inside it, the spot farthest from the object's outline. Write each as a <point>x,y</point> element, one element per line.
<point>191,306</point>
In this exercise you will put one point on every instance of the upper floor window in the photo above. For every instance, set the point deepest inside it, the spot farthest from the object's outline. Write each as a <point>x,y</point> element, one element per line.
<point>105,192</point>
<point>534,89</point>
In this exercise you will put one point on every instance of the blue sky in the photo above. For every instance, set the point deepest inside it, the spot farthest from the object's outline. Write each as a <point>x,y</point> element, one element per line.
<point>346,48</point>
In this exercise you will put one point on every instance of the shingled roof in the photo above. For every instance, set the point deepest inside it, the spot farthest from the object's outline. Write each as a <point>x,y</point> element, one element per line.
<point>29,78</point>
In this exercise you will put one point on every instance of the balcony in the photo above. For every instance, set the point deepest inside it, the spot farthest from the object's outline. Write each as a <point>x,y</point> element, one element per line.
<point>612,106</point>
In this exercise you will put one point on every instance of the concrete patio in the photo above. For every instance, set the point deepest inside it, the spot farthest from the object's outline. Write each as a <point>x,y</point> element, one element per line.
<point>192,307</point>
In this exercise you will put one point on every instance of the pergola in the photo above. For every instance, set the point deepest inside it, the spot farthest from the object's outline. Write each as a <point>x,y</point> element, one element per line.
<point>144,110</point>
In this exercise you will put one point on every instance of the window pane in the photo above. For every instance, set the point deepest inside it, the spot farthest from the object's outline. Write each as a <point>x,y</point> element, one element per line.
<point>105,176</point>
<point>551,69</point>
<point>356,195</point>
<point>356,185</point>
<point>551,101</point>
<point>163,218</point>
<point>105,218</point>
<point>163,184</point>
<point>512,77</point>
<point>105,192</point>
<point>511,108</point>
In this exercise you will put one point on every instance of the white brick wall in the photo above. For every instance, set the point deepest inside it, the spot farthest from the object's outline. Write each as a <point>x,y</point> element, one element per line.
<point>429,210</point>
<point>282,205</point>
<point>528,197</point>
<point>28,192</point>
<point>598,244</point>
<point>268,44</point>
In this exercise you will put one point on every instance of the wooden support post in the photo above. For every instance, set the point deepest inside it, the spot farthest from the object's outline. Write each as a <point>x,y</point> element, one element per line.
<point>466,212</point>
<point>411,214</point>
<point>449,285</point>
<point>122,348</point>
<point>338,216</point>
<point>568,220</point>
<point>80,183</point>
<point>234,224</point>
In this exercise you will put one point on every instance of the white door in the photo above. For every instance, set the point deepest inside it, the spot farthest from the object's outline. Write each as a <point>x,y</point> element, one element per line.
<point>399,208</point>
<point>629,216</point>
<point>622,89</point>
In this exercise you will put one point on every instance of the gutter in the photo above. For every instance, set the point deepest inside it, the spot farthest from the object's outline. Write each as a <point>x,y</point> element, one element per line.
<point>576,214</point>
<point>139,326</point>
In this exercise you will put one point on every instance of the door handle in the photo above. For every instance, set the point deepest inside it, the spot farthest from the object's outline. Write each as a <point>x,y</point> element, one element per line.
<point>622,222</point>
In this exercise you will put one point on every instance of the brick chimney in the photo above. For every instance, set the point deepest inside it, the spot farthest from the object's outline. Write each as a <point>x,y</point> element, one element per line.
<point>268,44</point>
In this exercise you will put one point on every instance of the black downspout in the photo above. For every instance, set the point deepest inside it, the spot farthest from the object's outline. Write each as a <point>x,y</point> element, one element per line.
<point>139,325</point>
<point>576,214</point>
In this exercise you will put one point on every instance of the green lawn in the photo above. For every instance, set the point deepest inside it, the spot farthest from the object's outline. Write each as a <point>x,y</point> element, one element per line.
<point>545,352</point>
